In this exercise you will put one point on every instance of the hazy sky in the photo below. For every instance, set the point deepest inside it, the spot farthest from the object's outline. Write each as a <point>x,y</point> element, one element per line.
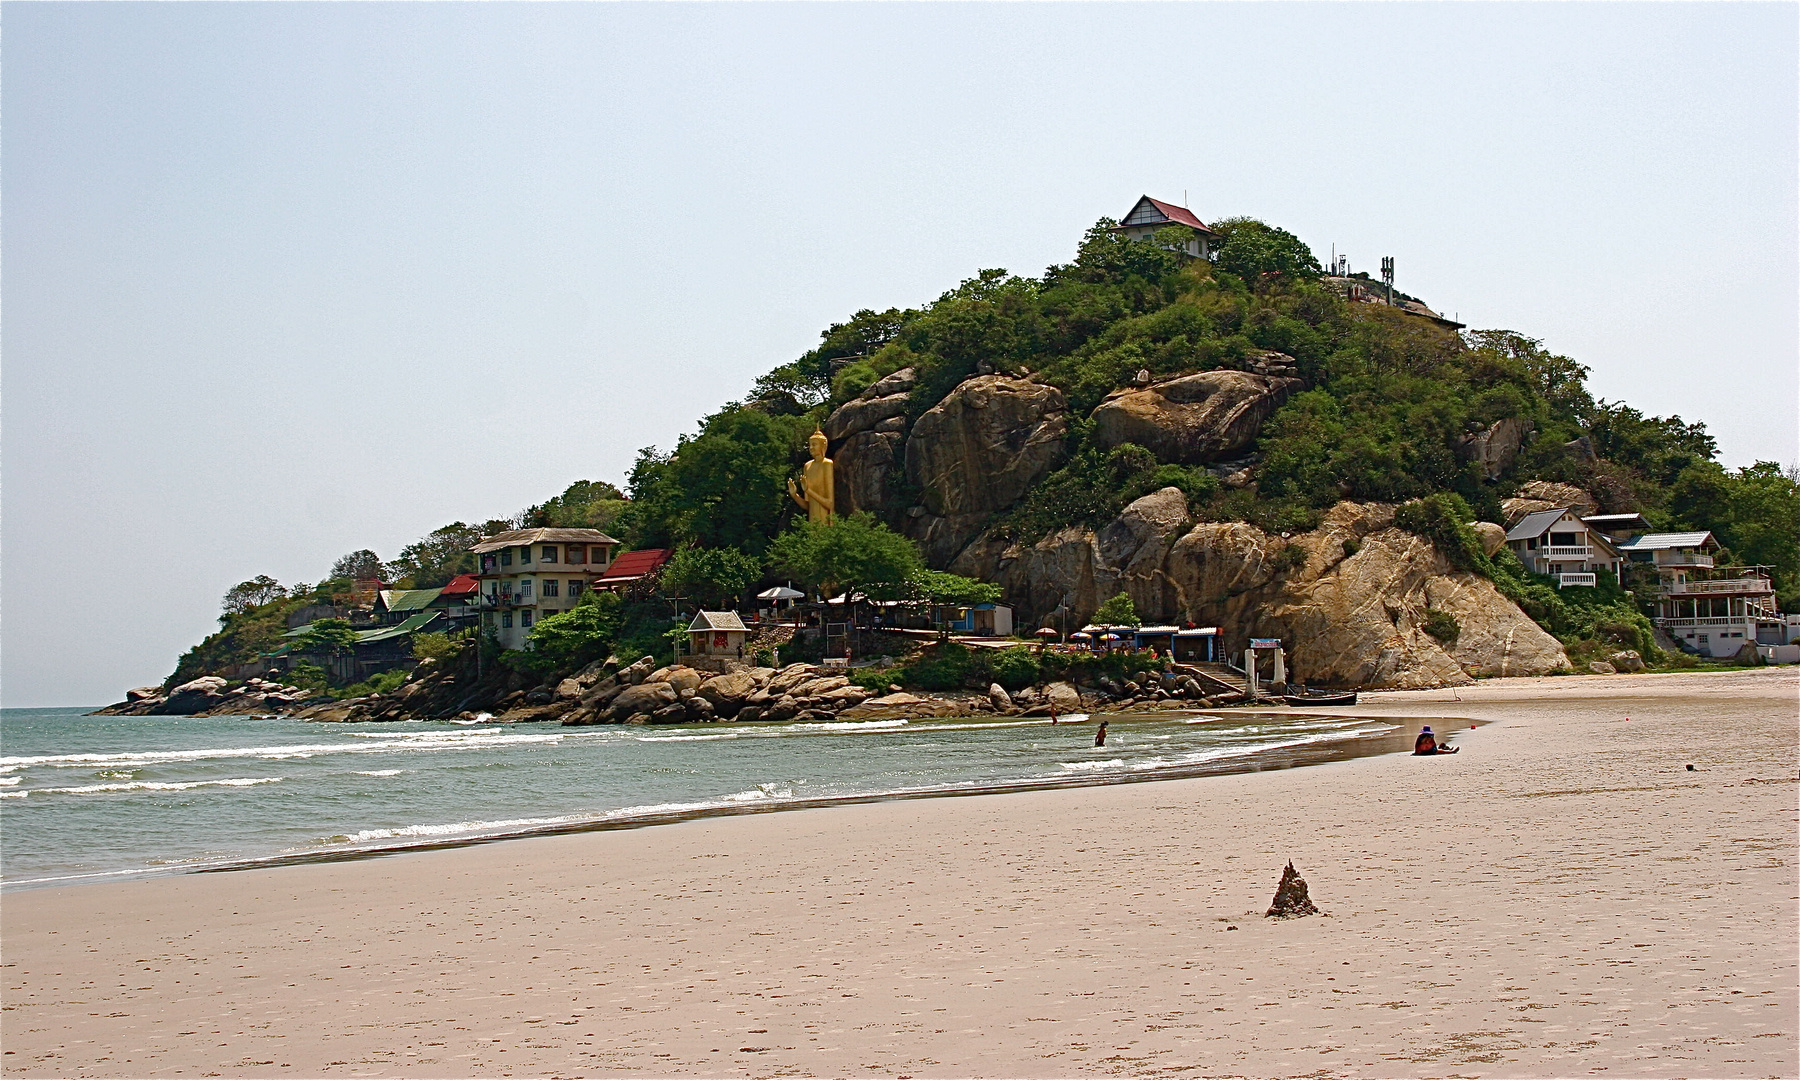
<point>286,280</point>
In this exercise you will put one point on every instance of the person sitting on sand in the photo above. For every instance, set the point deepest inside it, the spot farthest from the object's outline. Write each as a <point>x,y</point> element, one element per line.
<point>1426,744</point>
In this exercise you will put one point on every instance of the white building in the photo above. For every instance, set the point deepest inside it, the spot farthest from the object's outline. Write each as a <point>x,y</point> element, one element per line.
<point>1713,610</point>
<point>1150,216</point>
<point>1557,543</point>
<point>530,574</point>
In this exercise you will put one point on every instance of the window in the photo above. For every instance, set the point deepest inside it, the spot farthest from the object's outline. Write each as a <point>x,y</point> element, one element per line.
<point>506,619</point>
<point>575,587</point>
<point>1531,543</point>
<point>506,588</point>
<point>506,557</point>
<point>525,589</point>
<point>548,554</point>
<point>525,554</point>
<point>1564,540</point>
<point>525,618</point>
<point>577,553</point>
<point>550,588</point>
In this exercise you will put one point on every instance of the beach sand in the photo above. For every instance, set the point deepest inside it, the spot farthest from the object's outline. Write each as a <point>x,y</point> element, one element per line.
<point>1561,898</point>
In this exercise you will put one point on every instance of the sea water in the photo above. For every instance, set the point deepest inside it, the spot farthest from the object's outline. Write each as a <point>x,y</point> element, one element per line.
<point>90,798</point>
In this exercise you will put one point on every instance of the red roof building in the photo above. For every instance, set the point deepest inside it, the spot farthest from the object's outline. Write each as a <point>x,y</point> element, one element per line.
<point>1151,215</point>
<point>633,566</point>
<point>460,586</point>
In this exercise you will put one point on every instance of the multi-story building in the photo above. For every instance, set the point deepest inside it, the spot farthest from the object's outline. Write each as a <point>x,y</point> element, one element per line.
<point>1560,544</point>
<point>530,574</point>
<point>1713,610</point>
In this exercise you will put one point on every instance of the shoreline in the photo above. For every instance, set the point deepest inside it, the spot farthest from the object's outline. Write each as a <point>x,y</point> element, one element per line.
<point>1309,755</point>
<point>1562,898</point>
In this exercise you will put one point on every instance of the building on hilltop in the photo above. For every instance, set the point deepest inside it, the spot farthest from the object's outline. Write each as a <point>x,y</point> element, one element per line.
<point>1150,216</point>
<point>530,574</point>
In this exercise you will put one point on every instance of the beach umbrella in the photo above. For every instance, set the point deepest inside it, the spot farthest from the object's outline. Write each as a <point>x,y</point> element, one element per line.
<point>1081,635</point>
<point>1046,632</point>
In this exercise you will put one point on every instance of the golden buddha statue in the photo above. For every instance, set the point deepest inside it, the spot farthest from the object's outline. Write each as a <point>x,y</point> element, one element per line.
<point>819,498</point>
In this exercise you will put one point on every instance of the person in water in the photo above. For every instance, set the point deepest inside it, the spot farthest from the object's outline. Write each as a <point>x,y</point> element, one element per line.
<point>1426,744</point>
<point>1100,735</point>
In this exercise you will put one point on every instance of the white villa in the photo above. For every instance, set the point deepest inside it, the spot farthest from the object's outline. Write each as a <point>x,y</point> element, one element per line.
<point>1560,544</point>
<point>1151,215</point>
<point>530,574</point>
<point>1715,611</point>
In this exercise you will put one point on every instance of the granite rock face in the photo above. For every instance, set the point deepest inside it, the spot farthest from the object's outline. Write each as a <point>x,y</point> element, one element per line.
<point>1193,419</point>
<point>1535,495</point>
<point>983,446</point>
<point>1496,447</point>
<point>1492,536</point>
<point>1353,620</point>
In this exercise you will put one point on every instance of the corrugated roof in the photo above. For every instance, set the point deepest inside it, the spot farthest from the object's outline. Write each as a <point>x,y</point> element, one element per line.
<point>1665,541</point>
<point>1179,215</point>
<point>413,624</point>
<point>1536,524</point>
<point>520,537</point>
<point>634,564</point>
<point>717,620</point>
<point>408,599</point>
<point>461,585</point>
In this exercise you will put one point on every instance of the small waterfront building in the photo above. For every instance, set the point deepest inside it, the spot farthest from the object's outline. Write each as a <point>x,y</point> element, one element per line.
<point>717,633</point>
<point>1558,543</point>
<point>530,574</point>
<point>987,620</point>
<point>1199,644</point>
<point>1151,216</point>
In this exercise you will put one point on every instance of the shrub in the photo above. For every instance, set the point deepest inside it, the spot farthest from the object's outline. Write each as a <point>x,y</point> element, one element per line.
<point>1443,626</point>
<point>1118,611</point>
<point>436,647</point>
<point>1352,546</point>
<point>1444,519</point>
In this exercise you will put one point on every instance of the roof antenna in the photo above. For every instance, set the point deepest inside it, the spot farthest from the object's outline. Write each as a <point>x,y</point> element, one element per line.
<point>1184,201</point>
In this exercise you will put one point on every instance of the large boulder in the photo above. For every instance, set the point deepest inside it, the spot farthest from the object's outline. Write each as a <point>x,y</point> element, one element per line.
<point>1535,495</point>
<point>1492,536</point>
<point>645,697</point>
<point>193,697</point>
<point>866,465</point>
<point>1193,419</point>
<point>983,446</point>
<point>727,693</point>
<point>1496,447</point>
<point>862,414</point>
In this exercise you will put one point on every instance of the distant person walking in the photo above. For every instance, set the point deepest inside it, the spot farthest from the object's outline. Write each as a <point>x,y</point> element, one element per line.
<point>1100,736</point>
<point>1426,745</point>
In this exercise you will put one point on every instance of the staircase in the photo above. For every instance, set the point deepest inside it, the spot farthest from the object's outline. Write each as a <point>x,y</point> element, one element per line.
<point>1217,677</point>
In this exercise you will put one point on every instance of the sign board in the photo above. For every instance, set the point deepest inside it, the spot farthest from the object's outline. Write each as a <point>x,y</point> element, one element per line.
<point>1265,643</point>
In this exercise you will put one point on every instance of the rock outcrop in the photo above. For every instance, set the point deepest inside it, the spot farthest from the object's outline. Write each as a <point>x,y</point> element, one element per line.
<point>1349,619</point>
<point>1536,495</point>
<point>1193,419</point>
<point>211,695</point>
<point>1496,447</point>
<point>1492,536</point>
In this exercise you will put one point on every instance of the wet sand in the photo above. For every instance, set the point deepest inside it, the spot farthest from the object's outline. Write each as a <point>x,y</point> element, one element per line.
<point>1563,897</point>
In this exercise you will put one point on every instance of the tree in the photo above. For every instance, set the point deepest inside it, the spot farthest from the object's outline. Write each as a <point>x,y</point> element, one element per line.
<point>358,566</point>
<point>1118,611</point>
<point>952,590</point>
<point>856,554</point>
<point>442,554</point>
<point>723,487</point>
<point>1254,251</point>
<point>256,592</point>
<point>713,576</point>
<point>585,504</point>
<point>332,637</point>
<point>579,636</point>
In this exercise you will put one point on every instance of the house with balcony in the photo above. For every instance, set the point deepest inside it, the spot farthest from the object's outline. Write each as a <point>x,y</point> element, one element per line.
<point>530,574</point>
<point>1150,216</point>
<point>1712,610</point>
<point>1561,545</point>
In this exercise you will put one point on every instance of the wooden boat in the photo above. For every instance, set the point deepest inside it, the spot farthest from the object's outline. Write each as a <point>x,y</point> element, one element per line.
<point>1310,698</point>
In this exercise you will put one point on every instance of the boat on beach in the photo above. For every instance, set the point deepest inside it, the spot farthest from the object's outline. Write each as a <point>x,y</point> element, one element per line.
<point>1308,698</point>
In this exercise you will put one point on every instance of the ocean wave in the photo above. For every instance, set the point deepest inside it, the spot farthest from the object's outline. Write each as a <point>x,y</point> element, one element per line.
<point>396,742</point>
<point>1083,766</point>
<point>693,738</point>
<point>381,772</point>
<point>148,785</point>
<point>9,781</point>
<point>450,829</point>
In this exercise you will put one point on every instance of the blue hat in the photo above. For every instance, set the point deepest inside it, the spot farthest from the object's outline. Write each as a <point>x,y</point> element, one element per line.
<point>1427,731</point>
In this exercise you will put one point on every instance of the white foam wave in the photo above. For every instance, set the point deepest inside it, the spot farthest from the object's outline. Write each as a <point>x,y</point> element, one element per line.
<point>449,829</point>
<point>380,743</point>
<point>692,738</point>
<point>149,785</point>
<point>381,772</point>
<point>9,781</point>
<point>1083,766</point>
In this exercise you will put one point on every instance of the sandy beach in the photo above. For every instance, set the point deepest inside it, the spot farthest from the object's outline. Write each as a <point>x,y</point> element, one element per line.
<point>1563,897</point>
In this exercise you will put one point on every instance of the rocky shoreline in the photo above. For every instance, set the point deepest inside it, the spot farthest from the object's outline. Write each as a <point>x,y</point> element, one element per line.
<point>643,693</point>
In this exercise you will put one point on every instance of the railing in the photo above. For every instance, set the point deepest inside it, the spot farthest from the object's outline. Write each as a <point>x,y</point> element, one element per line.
<point>1565,552</point>
<point>1678,559</point>
<point>1733,586</point>
<point>1563,581</point>
<point>1711,620</point>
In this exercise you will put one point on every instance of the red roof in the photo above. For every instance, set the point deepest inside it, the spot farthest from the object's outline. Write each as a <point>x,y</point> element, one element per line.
<point>1180,215</point>
<point>635,564</point>
<point>461,585</point>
